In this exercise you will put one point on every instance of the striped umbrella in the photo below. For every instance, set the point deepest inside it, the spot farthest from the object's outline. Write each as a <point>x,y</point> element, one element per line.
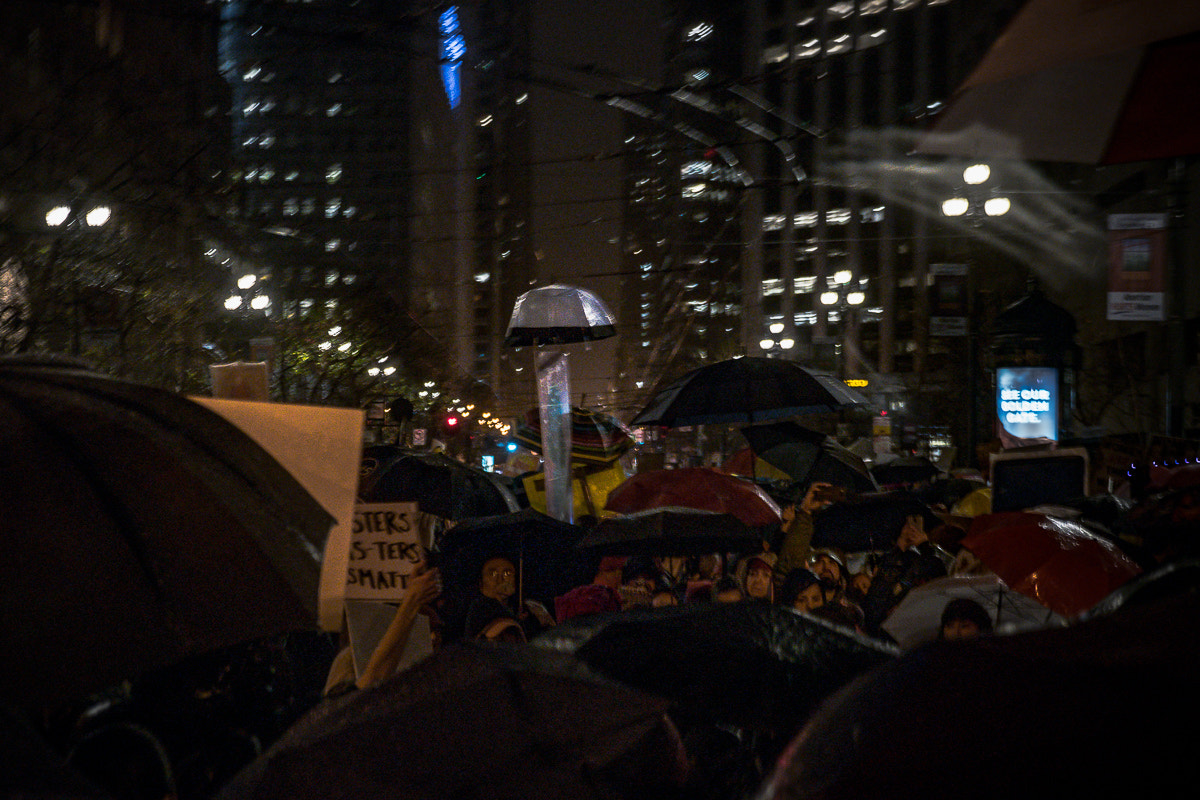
<point>596,438</point>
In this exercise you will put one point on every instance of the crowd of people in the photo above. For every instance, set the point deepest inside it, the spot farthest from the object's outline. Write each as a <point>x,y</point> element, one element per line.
<point>854,590</point>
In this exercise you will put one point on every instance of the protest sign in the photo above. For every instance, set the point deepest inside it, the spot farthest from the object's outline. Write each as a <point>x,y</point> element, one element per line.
<point>385,547</point>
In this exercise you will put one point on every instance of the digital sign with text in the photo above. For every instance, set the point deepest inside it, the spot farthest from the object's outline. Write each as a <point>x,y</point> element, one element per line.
<point>1027,402</point>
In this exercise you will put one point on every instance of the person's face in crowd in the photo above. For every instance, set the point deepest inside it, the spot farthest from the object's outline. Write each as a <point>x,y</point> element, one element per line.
<point>960,629</point>
<point>825,567</point>
<point>637,591</point>
<point>710,567</point>
<point>862,581</point>
<point>729,596</point>
<point>498,579</point>
<point>810,598</point>
<point>758,581</point>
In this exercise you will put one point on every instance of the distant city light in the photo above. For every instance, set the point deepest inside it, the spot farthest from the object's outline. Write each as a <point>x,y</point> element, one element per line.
<point>98,216</point>
<point>996,206</point>
<point>955,206</point>
<point>57,216</point>
<point>977,174</point>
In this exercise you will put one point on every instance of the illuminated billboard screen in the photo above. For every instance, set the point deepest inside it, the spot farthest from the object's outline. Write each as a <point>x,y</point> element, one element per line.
<point>1027,404</point>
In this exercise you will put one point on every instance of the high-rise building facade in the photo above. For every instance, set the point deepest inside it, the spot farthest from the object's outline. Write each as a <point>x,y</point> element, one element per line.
<point>845,259</point>
<point>384,145</point>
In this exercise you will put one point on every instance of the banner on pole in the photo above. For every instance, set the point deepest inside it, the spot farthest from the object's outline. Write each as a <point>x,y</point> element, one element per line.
<point>1137,258</point>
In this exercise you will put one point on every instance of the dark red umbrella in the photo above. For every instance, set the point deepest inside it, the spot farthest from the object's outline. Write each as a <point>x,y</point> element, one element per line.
<point>694,487</point>
<point>1110,92</point>
<point>1058,562</point>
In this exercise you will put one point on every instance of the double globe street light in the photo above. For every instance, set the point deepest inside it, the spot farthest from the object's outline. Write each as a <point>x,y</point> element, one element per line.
<point>976,175</point>
<point>845,294</point>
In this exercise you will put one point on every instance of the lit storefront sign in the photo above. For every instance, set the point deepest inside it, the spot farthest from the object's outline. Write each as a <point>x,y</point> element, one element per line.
<point>1027,403</point>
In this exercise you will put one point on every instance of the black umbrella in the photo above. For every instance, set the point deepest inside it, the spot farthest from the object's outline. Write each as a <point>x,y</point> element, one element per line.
<point>905,470</point>
<point>746,391</point>
<point>438,484</point>
<point>1096,708</point>
<point>140,527</point>
<point>33,769</point>
<point>671,531</point>
<point>809,456</point>
<point>542,547</point>
<point>753,665</point>
<point>869,522</point>
<point>476,721</point>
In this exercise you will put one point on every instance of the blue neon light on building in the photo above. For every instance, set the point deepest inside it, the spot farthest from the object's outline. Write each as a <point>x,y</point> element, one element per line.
<point>454,48</point>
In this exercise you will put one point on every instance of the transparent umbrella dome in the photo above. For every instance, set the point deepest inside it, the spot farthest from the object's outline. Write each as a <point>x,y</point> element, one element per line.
<point>558,314</point>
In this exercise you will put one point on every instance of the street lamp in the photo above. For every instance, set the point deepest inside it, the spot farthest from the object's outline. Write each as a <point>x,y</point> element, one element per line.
<point>844,294</point>
<point>973,202</point>
<point>62,215</point>
<point>979,204</point>
<point>775,341</point>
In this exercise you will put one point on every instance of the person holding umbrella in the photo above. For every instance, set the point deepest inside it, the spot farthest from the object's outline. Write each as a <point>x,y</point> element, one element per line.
<point>796,542</point>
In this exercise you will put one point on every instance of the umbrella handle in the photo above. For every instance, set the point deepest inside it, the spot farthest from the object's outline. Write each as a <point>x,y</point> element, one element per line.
<point>581,474</point>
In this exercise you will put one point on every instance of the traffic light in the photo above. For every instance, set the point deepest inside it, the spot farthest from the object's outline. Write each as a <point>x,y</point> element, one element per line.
<point>450,424</point>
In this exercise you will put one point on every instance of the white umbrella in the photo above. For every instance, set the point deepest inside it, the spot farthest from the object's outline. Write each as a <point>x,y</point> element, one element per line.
<point>918,617</point>
<point>557,315</point>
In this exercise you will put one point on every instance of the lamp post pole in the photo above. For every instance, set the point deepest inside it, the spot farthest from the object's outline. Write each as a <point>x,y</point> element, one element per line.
<point>980,201</point>
<point>845,294</point>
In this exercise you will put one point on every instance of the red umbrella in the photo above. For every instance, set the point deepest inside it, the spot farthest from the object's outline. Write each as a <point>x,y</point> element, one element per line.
<point>694,487</point>
<point>1108,93</point>
<point>1058,562</point>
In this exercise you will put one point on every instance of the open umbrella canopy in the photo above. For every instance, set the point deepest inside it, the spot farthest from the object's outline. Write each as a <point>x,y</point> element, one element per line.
<point>558,314</point>
<point>1060,563</point>
<point>754,665</point>
<point>542,547</point>
<point>870,522</point>
<point>1107,94</point>
<point>916,620</point>
<point>694,487</point>
<point>746,391</point>
<point>905,470</point>
<point>1091,709</point>
<point>808,456</point>
<point>140,528</point>
<point>596,438</point>
<point>671,531</point>
<point>476,721</point>
<point>438,484</point>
